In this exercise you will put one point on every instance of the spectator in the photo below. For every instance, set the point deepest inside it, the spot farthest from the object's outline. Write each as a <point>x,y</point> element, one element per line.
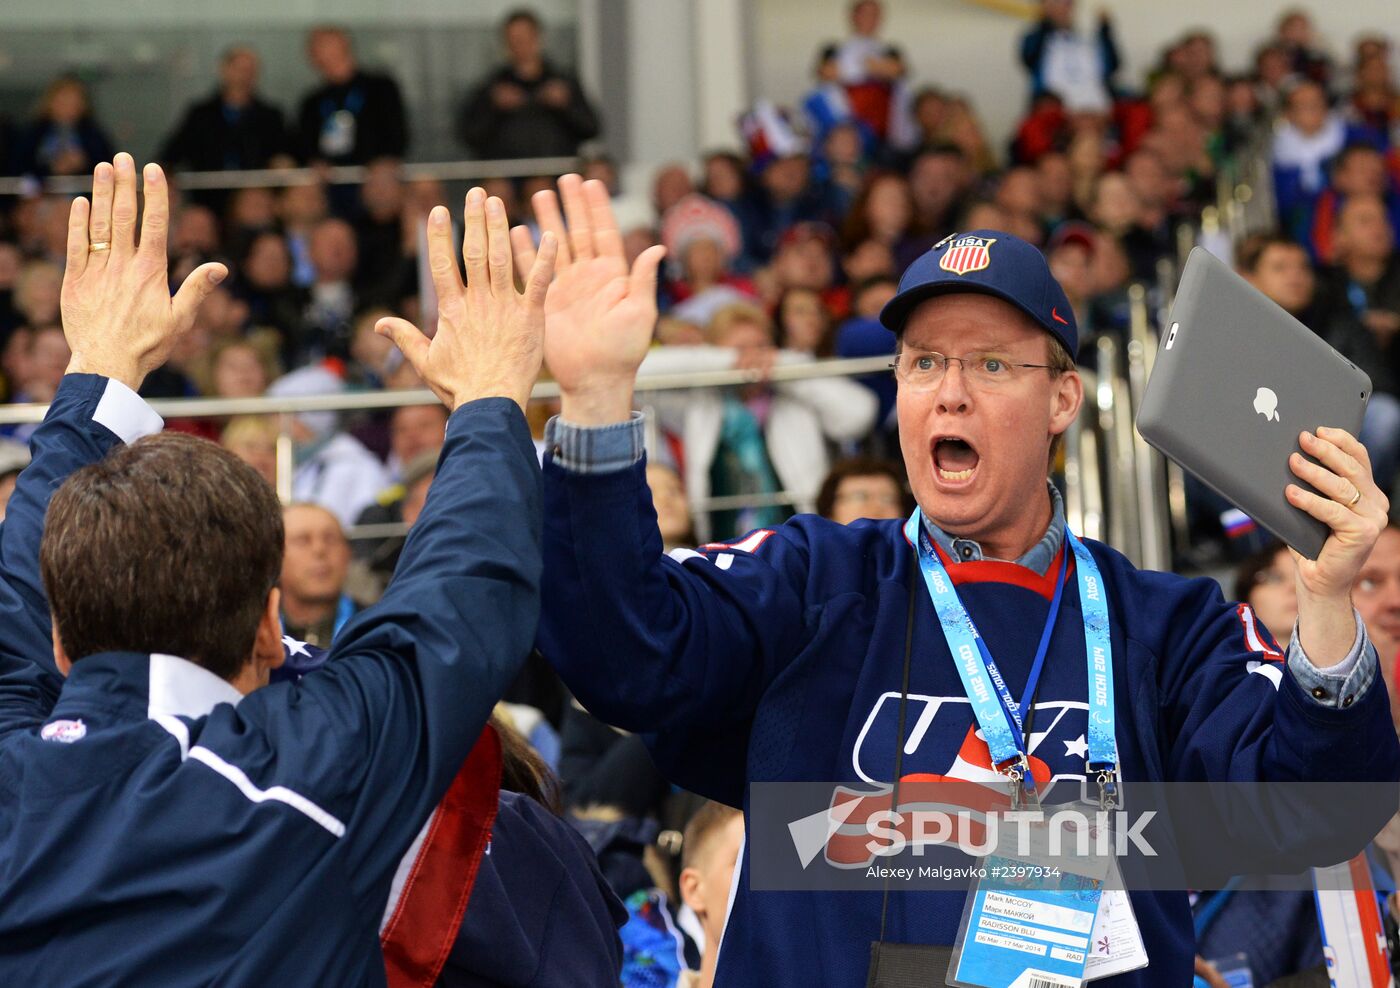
<point>1071,256</point>
<point>884,211</point>
<point>803,323</point>
<point>603,167</point>
<point>786,196</point>
<point>415,438</point>
<point>315,565</point>
<point>870,296</point>
<point>1298,39</point>
<point>670,185</point>
<point>726,181</point>
<point>384,273</point>
<point>253,439</point>
<point>1310,136</point>
<point>940,178</point>
<point>333,469</point>
<point>377,363</point>
<point>11,263</point>
<point>805,258</point>
<point>300,208</point>
<point>1278,266</point>
<point>238,369</point>
<point>1018,195</point>
<point>863,487</point>
<point>334,255</point>
<point>1375,102</point>
<point>871,70</point>
<point>64,138</point>
<point>702,241</point>
<point>354,116</point>
<point>249,212</point>
<point>760,438</point>
<point>672,509</point>
<point>413,431</point>
<point>1265,582</point>
<point>1357,171</point>
<point>827,106</point>
<point>37,293</point>
<point>1377,597</point>
<point>265,285</point>
<point>1055,180</point>
<point>709,854</point>
<point>1075,69</point>
<point>48,359</point>
<point>528,108</point>
<point>233,129</point>
<point>1366,277</point>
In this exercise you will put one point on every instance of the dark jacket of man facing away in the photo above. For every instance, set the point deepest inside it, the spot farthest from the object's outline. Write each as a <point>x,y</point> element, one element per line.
<point>154,823</point>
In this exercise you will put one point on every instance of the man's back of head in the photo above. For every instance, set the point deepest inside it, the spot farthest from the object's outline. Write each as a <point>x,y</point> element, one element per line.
<point>169,545</point>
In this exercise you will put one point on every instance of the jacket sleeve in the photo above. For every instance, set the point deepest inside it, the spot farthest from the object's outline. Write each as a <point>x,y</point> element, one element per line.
<point>89,415</point>
<point>379,732</point>
<point>578,114</point>
<point>479,117</point>
<point>649,642</point>
<point>1233,712</point>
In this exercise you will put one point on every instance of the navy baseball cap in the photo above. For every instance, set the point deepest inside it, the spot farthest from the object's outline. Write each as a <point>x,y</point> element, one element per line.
<point>989,262</point>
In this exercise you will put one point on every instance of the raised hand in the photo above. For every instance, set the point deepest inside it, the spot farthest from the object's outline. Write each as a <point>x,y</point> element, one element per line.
<point>599,317</point>
<point>1355,509</point>
<point>490,338</point>
<point>118,316</point>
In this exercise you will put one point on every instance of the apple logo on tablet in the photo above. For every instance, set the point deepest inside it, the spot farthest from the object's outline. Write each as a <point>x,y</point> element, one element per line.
<point>1266,404</point>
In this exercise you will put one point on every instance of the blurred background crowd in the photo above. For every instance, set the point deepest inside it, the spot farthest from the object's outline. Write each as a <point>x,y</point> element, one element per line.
<point>782,248</point>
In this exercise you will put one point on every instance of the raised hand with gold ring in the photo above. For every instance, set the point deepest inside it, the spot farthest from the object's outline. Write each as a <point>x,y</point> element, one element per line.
<point>118,315</point>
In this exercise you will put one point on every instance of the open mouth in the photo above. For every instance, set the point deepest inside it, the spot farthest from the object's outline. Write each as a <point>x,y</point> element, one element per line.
<point>954,458</point>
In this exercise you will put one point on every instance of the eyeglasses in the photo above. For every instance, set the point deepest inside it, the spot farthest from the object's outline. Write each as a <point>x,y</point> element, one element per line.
<point>923,370</point>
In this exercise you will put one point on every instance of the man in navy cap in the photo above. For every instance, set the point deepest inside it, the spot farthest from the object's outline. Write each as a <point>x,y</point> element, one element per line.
<point>818,652</point>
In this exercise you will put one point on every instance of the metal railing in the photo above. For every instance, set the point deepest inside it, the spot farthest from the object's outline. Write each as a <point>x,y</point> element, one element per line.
<point>201,408</point>
<point>446,171</point>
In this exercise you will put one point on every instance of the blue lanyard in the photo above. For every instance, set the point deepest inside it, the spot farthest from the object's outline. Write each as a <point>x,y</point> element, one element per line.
<point>344,611</point>
<point>998,714</point>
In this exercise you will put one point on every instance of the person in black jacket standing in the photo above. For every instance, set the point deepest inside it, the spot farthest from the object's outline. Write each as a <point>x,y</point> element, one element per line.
<point>528,108</point>
<point>231,130</point>
<point>355,116</point>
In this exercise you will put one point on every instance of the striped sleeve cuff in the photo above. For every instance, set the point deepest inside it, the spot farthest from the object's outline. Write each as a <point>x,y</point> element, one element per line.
<point>1339,685</point>
<point>595,449</point>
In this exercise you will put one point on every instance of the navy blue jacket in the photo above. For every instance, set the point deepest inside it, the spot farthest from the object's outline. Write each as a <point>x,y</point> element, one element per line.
<point>541,912</point>
<point>156,827</point>
<point>779,658</point>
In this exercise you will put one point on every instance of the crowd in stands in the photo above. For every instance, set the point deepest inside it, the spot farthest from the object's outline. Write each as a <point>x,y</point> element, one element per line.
<point>781,250</point>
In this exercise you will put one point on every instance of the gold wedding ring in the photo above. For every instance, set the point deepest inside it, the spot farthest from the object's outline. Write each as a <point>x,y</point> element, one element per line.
<point>1355,500</point>
<point>100,245</point>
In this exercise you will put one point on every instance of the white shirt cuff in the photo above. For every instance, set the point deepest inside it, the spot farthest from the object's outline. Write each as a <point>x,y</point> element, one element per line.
<point>125,413</point>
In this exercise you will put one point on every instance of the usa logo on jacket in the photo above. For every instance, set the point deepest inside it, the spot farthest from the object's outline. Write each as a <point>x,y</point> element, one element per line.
<point>64,731</point>
<point>947,767</point>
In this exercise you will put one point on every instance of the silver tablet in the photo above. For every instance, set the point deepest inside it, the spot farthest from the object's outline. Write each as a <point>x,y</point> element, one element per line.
<point>1235,381</point>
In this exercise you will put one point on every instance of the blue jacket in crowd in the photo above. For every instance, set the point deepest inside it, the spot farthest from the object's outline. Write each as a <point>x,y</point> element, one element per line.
<point>157,827</point>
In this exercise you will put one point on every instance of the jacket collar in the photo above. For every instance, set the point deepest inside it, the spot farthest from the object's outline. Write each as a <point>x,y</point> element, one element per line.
<point>147,686</point>
<point>1040,556</point>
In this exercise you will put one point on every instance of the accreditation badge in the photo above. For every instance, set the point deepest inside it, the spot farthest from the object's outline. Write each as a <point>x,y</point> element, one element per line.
<point>338,134</point>
<point>1034,912</point>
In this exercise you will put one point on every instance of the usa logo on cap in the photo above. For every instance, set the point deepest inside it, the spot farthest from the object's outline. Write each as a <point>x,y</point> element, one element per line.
<point>967,254</point>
